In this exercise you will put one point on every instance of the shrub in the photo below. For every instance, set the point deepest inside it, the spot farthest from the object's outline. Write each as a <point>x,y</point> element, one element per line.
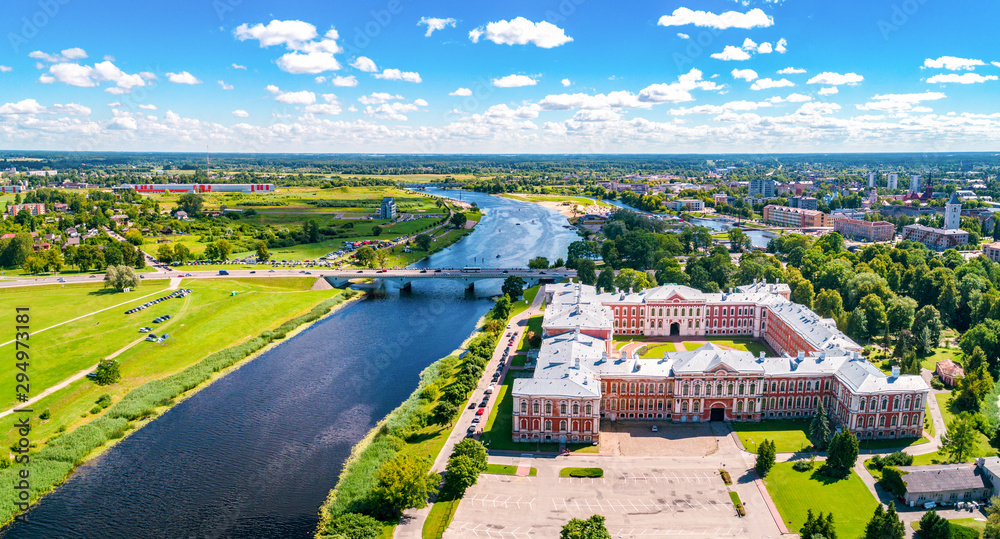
<point>802,466</point>
<point>963,532</point>
<point>104,401</point>
<point>355,526</point>
<point>737,503</point>
<point>96,410</point>
<point>936,382</point>
<point>726,478</point>
<point>582,472</point>
<point>44,415</point>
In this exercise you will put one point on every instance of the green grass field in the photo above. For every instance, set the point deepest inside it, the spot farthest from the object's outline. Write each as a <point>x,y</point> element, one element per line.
<point>788,435</point>
<point>535,325</point>
<point>206,321</point>
<point>507,469</point>
<point>795,492</point>
<point>522,305</point>
<point>954,354</point>
<point>982,446</point>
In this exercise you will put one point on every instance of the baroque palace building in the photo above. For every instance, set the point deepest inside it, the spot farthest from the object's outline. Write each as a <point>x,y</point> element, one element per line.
<point>580,378</point>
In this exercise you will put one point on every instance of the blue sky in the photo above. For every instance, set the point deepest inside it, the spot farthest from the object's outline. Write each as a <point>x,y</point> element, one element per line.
<point>538,77</point>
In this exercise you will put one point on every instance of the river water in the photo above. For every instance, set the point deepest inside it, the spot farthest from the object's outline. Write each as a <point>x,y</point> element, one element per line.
<point>255,453</point>
<point>757,237</point>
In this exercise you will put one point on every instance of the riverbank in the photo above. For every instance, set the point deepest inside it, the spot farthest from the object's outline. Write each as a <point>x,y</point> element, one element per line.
<point>570,206</point>
<point>56,461</point>
<point>412,430</point>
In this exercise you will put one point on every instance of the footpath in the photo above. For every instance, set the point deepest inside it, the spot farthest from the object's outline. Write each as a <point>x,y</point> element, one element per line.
<point>411,525</point>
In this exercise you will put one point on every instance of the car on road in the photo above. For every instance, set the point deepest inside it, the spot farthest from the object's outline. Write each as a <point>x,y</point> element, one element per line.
<point>472,405</point>
<point>475,420</point>
<point>481,411</point>
<point>361,271</point>
<point>61,280</point>
<point>92,276</point>
<point>307,273</point>
<point>655,428</point>
<point>188,275</point>
<point>471,429</point>
<point>437,271</point>
<point>270,271</point>
<point>253,272</point>
<point>482,404</point>
<point>141,276</point>
<point>423,271</point>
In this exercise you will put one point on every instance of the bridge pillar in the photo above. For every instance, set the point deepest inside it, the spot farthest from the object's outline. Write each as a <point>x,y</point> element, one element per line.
<point>406,285</point>
<point>471,285</point>
<point>337,283</point>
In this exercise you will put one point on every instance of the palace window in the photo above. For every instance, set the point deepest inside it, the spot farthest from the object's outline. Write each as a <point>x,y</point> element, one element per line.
<point>631,404</point>
<point>697,323</point>
<point>659,388</point>
<point>642,389</point>
<point>781,403</point>
<point>548,424</point>
<point>742,387</point>
<point>730,389</point>
<point>614,387</point>
<point>772,403</point>
<point>697,389</point>
<point>588,409</point>
<point>718,389</point>
<point>800,385</point>
<point>524,407</point>
<point>881,421</point>
<point>895,403</point>
<point>916,403</point>
<point>562,408</point>
<point>675,311</point>
<point>621,404</point>
<point>774,387</point>
<point>893,421</point>
<point>798,402</point>
<point>548,408</point>
<point>659,405</point>
<point>826,386</point>
<point>685,390</point>
<point>576,409</point>
<point>661,311</point>
<point>885,403</point>
<point>782,387</point>
<point>534,408</point>
<point>562,426</point>
<point>753,389</point>
<point>631,387</point>
<point>694,407</point>
<point>809,385</point>
<point>708,389</point>
<point>906,420</point>
<point>684,407</point>
<point>871,421</point>
<point>906,404</point>
<point>739,406</point>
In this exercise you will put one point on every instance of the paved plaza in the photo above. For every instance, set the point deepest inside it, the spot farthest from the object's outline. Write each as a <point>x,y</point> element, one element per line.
<point>637,439</point>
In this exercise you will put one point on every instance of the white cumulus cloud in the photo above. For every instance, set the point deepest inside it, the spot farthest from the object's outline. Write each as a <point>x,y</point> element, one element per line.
<point>434,23</point>
<point>791,71</point>
<point>836,79</point>
<point>566,82</point>
<point>290,33</point>
<point>964,78</point>
<point>377,98</point>
<point>732,53</point>
<point>755,18</point>
<point>768,83</point>
<point>744,74</point>
<point>792,98</point>
<point>344,82</point>
<point>900,102</point>
<point>147,107</point>
<point>462,92</point>
<point>514,81</point>
<point>240,113</point>
<point>395,74</point>
<point>683,35</point>
<point>225,86</point>
<point>308,63</point>
<point>75,53</point>
<point>292,98</point>
<point>5,69</point>
<point>364,63</point>
<point>238,66</point>
<point>310,54</point>
<point>521,31</point>
<point>953,63</point>
<point>182,78</point>
<point>829,90</point>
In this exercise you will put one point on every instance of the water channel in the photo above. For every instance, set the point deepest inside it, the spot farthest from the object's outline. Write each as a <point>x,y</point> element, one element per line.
<point>255,454</point>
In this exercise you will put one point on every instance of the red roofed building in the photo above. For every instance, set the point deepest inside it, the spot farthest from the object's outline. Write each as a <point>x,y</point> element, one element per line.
<point>949,371</point>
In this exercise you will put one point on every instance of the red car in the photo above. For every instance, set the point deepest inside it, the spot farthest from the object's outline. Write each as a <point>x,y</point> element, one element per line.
<point>481,411</point>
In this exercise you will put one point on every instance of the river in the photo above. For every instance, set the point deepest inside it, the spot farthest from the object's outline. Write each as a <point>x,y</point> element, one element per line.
<point>256,453</point>
<point>757,237</point>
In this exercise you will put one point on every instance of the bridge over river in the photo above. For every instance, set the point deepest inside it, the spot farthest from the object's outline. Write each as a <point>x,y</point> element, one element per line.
<point>468,276</point>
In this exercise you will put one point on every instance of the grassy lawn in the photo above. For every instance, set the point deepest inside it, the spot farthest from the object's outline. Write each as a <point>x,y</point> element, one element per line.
<point>795,492</point>
<point>206,321</point>
<point>954,354</point>
<point>788,435</point>
<point>438,520</point>
<point>522,305</point>
<point>534,324</point>
<point>928,422</point>
<point>977,525</point>
<point>658,350</point>
<point>749,345</point>
<point>499,427</point>
<point>891,444</point>
<point>982,446</point>
<point>519,360</point>
<point>506,469</point>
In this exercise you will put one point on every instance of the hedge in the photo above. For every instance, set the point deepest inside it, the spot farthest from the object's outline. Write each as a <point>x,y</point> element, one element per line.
<point>581,472</point>
<point>51,465</point>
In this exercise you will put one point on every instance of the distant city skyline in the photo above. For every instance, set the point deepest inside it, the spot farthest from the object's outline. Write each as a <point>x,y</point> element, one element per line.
<point>569,76</point>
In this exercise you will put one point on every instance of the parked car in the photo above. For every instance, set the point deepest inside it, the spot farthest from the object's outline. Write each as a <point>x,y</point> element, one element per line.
<point>655,428</point>
<point>471,429</point>
<point>472,405</point>
<point>151,338</point>
<point>146,329</point>
<point>475,420</point>
<point>481,411</point>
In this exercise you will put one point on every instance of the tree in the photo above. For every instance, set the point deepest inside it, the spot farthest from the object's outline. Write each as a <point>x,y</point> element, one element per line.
<point>443,412</point>
<point>927,318</point>
<point>107,372</point>
<point>53,259</point>
<point>462,473</point>
<point>402,483</point>
<point>222,250</point>
<point>738,240</point>
<point>181,253</point>
<point>900,313</point>
<point>17,250</point>
<point>819,429</point>
<point>875,316</point>
<point>630,280</point>
<point>165,253</point>
<point>33,264</point>
<point>121,277</point>
<point>354,526</point>
<point>804,294</point>
<point>190,203</point>
<point>365,256</point>
<point>992,530</point>
<point>857,324</point>
<point>960,439</point>
<point>606,280</point>
<point>818,526</point>
<point>585,271</point>
<point>134,237</point>
<point>766,454</point>
<point>885,524</point>
<point>591,528</point>
<point>382,257</point>
<point>501,309</point>
<point>376,231</point>
<point>539,262</point>
<point>424,241</point>
<point>934,526</point>
<point>472,449</point>
<point>842,454</point>
<point>828,303</point>
<point>513,286</point>
<point>459,220</point>
<point>263,255</point>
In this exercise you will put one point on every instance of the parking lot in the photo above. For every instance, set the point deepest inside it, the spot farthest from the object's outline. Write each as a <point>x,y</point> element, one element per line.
<point>650,502</point>
<point>636,439</point>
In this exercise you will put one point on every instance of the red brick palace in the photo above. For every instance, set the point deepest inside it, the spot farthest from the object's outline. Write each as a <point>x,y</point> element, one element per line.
<point>580,378</point>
